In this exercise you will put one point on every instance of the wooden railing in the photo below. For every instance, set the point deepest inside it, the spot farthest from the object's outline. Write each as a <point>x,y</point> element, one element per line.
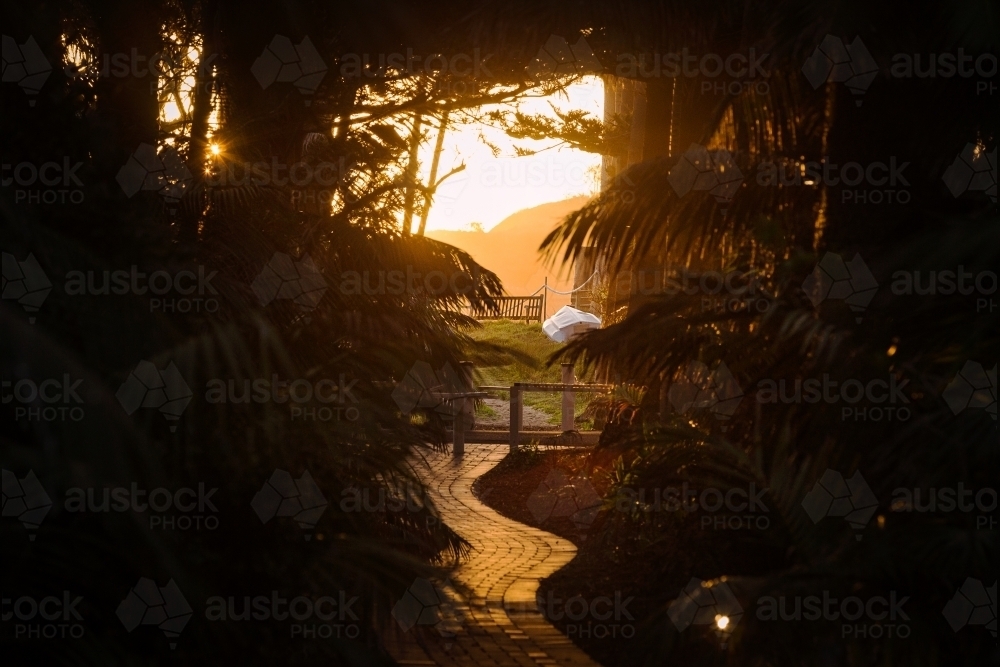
<point>568,390</point>
<point>463,404</point>
<point>527,308</point>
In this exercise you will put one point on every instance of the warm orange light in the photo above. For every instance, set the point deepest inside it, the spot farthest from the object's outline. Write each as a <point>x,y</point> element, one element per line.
<point>215,148</point>
<point>494,186</point>
<point>722,622</point>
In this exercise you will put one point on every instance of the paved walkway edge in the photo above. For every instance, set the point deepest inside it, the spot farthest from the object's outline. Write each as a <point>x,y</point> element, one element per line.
<point>501,623</point>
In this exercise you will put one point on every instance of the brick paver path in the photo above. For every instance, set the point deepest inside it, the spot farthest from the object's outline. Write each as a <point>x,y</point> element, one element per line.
<point>500,624</point>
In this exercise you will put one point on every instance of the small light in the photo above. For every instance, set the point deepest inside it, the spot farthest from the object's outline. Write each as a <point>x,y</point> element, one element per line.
<point>215,148</point>
<point>881,522</point>
<point>722,622</point>
<point>892,350</point>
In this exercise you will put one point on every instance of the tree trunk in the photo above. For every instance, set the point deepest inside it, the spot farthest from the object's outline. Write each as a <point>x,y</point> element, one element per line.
<point>432,181</point>
<point>411,175</point>
<point>127,107</point>
<point>201,110</point>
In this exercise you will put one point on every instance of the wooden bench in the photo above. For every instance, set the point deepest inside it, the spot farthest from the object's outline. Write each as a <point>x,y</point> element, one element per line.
<point>527,308</point>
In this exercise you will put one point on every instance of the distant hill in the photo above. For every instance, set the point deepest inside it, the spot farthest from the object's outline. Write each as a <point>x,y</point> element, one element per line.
<point>511,249</point>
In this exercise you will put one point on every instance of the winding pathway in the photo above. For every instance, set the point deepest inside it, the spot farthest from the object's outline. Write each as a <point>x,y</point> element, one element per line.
<point>500,624</point>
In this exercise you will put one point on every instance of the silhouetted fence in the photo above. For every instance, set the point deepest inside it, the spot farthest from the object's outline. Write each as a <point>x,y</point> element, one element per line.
<point>527,308</point>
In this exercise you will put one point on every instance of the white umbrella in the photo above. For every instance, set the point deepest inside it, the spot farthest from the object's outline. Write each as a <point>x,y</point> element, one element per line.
<point>568,322</point>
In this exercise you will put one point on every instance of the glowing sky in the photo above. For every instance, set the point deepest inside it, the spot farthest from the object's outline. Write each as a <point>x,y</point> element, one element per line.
<point>492,188</point>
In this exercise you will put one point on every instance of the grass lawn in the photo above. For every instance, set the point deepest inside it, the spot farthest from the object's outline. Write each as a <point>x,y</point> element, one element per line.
<point>518,352</point>
<point>483,410</point>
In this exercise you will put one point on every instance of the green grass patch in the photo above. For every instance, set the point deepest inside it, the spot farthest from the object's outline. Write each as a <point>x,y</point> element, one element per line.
<point>483,410</point>
<point>509,352</point>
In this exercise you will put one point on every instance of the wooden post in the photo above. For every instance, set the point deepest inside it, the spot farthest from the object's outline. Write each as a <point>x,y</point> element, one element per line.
<point>516,414</point>
<point>458,432</point>
<point>545,299</point>
<point>467,368</point>
<point>468,405</point>
<point>568,399</point>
